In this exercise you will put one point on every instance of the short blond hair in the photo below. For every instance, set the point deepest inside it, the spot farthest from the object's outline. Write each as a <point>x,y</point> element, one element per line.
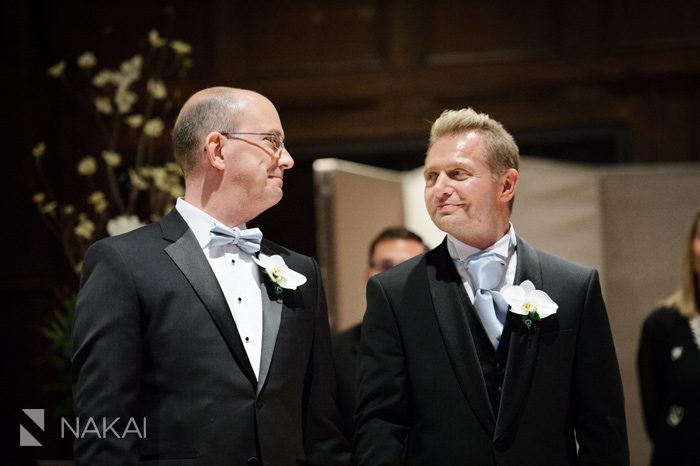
<point>687,296</point>
<point>502,151</point>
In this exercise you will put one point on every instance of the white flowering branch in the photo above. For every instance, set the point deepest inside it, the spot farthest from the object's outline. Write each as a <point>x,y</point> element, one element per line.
<point>132,100</point>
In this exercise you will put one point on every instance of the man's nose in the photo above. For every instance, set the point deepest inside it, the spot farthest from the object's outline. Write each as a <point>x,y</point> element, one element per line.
<point>285,161</point>
<point>443,184</point>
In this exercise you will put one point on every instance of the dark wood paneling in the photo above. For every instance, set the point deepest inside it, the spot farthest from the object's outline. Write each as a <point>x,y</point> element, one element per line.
<point>470,32</point>
<point>634,25</point>
<point>313,37</point>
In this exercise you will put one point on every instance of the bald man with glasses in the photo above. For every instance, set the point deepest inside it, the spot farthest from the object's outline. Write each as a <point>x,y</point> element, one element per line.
<point>216,337</point>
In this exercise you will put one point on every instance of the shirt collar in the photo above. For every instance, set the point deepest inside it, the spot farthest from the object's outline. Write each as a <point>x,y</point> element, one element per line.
<point>459,251</point>
<point>199,221</point>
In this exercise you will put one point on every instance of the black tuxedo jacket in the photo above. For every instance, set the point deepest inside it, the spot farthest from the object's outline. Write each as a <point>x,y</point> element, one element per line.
<point>154,338</point>
<point>345,348</point>
<point>422,398</point>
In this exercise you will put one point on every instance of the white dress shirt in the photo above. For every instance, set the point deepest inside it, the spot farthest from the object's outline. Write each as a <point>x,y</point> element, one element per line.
<point>238,277</point>
<point>505,247</point>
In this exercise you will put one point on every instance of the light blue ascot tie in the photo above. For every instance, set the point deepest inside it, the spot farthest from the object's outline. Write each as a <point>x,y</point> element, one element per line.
<point>247,241</point>
<point>486,271</point>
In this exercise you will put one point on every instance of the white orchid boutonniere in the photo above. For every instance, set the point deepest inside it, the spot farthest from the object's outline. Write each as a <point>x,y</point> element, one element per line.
<point>281,275</point>
<point>531,304</point>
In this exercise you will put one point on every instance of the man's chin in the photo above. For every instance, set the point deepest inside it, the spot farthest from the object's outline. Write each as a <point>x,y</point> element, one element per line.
<point>275,198</point>
<point>448,223</point>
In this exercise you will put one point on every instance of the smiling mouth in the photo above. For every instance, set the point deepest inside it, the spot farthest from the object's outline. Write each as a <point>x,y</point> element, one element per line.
<point>442,207</point>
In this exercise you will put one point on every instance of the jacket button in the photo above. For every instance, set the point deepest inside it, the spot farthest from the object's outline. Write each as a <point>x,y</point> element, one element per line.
<point>259,404</point>
<point>254,462</point>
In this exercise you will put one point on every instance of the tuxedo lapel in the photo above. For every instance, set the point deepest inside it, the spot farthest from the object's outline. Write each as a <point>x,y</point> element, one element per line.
<point>272,313</point>
<point>187,254</point>
<point>522,350</point>
<point>451,304</point>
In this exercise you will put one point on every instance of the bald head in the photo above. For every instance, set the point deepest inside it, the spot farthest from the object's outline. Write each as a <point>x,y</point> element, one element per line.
<point>212,109</point>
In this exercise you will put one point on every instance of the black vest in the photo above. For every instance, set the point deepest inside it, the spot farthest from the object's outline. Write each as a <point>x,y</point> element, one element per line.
<point>493,362</point>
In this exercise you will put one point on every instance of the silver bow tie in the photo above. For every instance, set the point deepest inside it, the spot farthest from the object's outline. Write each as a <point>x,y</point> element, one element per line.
<point>247,240</point>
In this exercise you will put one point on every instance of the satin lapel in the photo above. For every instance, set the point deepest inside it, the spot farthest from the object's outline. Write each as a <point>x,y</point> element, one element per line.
<point>187,255</point>
<point>451,303</point>
<point>272,314</point>
<point>524,343</point>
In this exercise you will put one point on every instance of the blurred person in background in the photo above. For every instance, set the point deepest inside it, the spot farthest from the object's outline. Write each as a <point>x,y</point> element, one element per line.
<point>389,248</point>
<point>669,366</point>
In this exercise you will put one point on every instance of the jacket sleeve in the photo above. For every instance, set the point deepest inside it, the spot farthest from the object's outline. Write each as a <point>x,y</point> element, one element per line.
<point>324,442</point>
<point>382,414</point>
<point>106,363</point>
<point>650,367</point>
<point>598,401</point>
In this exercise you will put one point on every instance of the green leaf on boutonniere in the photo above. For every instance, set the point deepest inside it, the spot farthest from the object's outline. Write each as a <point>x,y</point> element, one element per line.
<point>528,319</point>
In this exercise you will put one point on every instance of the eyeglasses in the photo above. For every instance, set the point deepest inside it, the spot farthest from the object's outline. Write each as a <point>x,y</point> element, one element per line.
<point>273,138</point>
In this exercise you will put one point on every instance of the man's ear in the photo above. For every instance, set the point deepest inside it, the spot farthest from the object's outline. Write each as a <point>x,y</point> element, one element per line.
<point>509,181</point>
<point>212,147</point>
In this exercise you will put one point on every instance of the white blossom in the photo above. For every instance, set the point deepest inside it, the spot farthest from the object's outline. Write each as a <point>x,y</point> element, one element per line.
<point>278,271</point>
<point>181,47</point>
<point>98,201</point>
<point>153,127</point>
<point>123,224</point>
<point>526,300</point>
<point>56,71</point>
<point>39,150</point>
<point>135,120</point>
<point>87,166</point>
<point>156,88</point>
<point>103,105</point>
<point>85,227</point>
<point>155,39</point>
<point>87,60</point>
<point>111,158</point>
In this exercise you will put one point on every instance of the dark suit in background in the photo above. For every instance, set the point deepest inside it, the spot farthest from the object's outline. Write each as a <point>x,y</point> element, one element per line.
<point>391,246</point>
<point>669,376</point>
<point>345,348</point>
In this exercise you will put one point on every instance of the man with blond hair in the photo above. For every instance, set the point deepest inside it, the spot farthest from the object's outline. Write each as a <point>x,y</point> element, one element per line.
<point>485,351</point>
<point>216,341</point>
